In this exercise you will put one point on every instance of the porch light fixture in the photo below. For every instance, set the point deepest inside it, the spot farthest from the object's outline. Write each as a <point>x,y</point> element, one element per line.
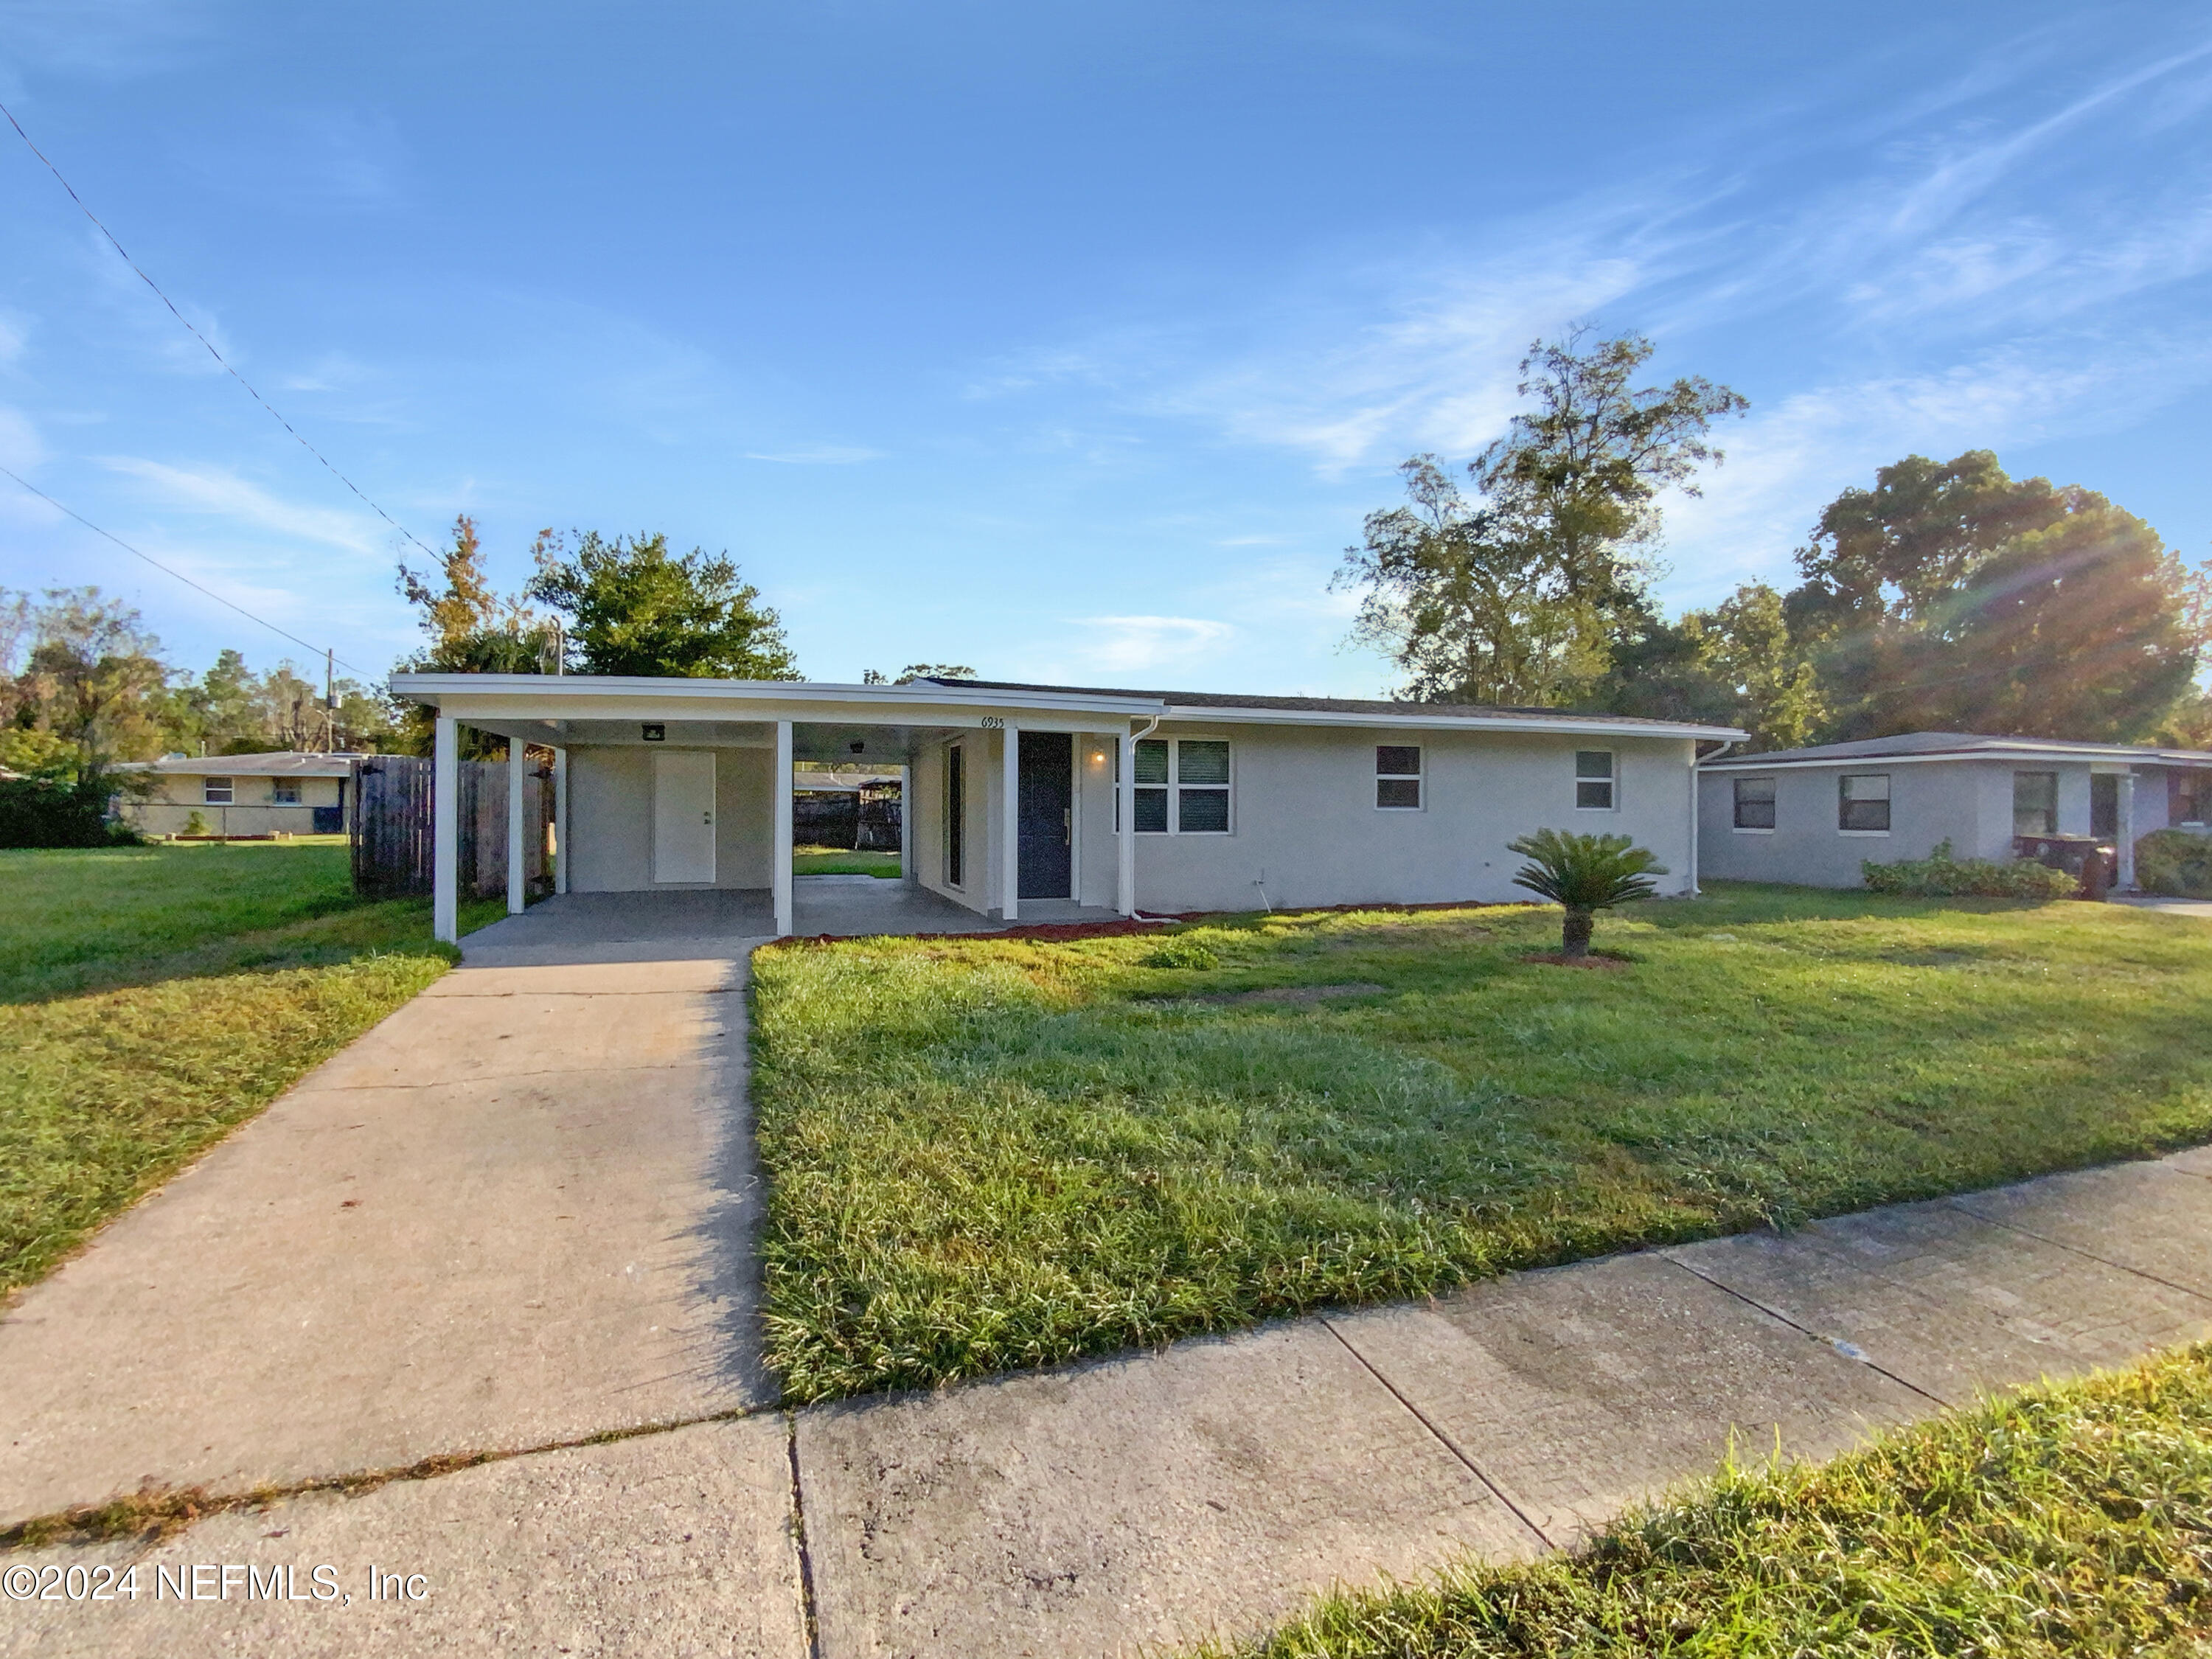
<point>655,733</point>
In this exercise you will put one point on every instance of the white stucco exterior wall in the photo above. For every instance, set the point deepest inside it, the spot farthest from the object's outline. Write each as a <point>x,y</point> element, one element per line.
<point>610,818</point>
<point>1966,801</point>
<point>1303,817</point>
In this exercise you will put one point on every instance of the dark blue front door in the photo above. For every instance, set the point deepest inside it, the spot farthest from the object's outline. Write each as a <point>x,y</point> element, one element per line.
<point>1046,813</point>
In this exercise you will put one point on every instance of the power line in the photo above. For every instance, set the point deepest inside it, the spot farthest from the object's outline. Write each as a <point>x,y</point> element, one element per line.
<point>178,574</point>
<point>202,338</point>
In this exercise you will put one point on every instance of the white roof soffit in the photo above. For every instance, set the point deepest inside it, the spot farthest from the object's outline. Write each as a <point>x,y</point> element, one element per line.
<point>577,696</point>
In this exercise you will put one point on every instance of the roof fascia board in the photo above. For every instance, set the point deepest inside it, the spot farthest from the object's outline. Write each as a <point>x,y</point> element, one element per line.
<point>1198,713</point>
<point>1754,763</point>
<point>534,695</point>
<point>882,704</point>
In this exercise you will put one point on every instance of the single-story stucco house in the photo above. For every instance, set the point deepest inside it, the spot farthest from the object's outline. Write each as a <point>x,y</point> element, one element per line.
<point>1037,802</point>
<point>269,794</point>
<point>1812,816</point>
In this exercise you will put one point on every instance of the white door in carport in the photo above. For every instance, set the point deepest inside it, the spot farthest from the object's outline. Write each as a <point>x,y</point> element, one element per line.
<point>682,815</point>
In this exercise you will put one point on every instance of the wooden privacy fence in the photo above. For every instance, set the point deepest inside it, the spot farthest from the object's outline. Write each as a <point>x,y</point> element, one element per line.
<point>393,831</point>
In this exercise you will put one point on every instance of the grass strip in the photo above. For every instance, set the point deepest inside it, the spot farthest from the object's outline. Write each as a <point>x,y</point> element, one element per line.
<point>985,1153</point>
<point>2074,1520</point>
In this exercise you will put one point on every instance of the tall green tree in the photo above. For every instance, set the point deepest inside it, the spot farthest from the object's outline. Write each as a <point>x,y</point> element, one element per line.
<point>1463,597</point>
<point>468,628</point>
<point>1524,593</point>
<point>636,608</point>
<point>1952,597</point>
<point>92,678</point>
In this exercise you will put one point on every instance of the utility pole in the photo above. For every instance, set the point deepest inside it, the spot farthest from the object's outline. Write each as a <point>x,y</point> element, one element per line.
<point>329,700</point>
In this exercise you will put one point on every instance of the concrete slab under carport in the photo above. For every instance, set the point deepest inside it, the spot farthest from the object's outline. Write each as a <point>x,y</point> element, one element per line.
<point>678,1545</point>
<point>518,1212</point>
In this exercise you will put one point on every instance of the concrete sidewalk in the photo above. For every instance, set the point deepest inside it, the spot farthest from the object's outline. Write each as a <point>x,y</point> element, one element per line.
<point>1151,1500</point>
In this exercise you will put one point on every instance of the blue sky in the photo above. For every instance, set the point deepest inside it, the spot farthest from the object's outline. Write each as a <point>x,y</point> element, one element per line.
<point>1069,342</point>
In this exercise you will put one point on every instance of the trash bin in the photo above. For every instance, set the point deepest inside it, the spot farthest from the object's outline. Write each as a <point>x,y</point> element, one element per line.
<point>2088,861</point>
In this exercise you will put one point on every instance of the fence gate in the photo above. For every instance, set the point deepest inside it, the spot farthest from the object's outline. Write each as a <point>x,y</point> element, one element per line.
<point>393,827</point>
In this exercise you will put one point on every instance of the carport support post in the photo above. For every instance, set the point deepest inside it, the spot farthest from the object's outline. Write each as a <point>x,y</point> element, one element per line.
<point>1010,788</point>
<point>906,872</point>
<point>2124,877</point>
<point>518,855</point>
<point>780,867</point>
<point>1125,815</point>
<point>560,820</point>
<point>445,835</point>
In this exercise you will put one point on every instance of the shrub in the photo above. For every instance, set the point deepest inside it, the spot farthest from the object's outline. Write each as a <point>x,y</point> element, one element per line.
<point>39,812</point>
<point>1584,874</point>
<point>2176,861</point>
<point>1941,876</point>
<point>1179,952</point>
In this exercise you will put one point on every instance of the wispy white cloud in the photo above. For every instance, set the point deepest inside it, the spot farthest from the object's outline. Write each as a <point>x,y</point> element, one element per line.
<point>1130,645</point>
<point>213,490</point>
<point>20,447</point>
<point>818,455</point>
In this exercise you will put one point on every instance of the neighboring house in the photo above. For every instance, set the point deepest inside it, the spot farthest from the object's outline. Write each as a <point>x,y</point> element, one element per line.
<point>1029,801</point>
<point>284,794</point>
<point>1812,816</point>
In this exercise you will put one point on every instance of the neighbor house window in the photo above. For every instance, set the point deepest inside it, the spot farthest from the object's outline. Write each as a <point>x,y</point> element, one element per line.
<point>285,792</point>
<point>1398,775</point>
<point>1754,803</point>
<point>1185,778</point>
<point>216,792</point>
<point>2192,796</point>
<point>2035,802</point>
<point>956,813</point>
<point>1862,802</point>
<point>1594,779</point>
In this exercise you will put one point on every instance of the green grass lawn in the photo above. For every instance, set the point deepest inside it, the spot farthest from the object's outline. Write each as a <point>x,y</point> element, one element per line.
<point>988,1153</point>
<point>836,862</point>
<point>2067,1520</point>
<point>152,998</point>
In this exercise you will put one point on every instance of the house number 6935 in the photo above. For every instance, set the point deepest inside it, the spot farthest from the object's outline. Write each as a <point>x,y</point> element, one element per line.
<point>992,723</point>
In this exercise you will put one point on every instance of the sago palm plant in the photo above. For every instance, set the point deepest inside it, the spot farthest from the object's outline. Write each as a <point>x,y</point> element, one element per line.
<point>1585,874</point>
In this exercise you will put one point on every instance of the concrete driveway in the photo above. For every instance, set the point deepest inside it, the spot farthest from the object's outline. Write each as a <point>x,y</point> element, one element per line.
<point>518,1212</point>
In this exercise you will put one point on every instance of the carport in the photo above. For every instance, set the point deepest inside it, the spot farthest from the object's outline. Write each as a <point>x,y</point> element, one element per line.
<point>682,790</point>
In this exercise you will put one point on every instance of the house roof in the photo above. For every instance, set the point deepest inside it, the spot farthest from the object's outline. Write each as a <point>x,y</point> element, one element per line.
<point>281,764</point>
<point>541,708</point>
<point>1960,745</point>
<point>1386,708</point>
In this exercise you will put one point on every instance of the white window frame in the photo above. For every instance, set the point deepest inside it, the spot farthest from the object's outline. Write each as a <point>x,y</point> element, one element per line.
<point>1888,799</point>
<point>1418,777</point>
<point>1611,780</point>
<point>227,785</point>
<point>1175,786</point>
<point>278,796</point>
<point>1736,805</point>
